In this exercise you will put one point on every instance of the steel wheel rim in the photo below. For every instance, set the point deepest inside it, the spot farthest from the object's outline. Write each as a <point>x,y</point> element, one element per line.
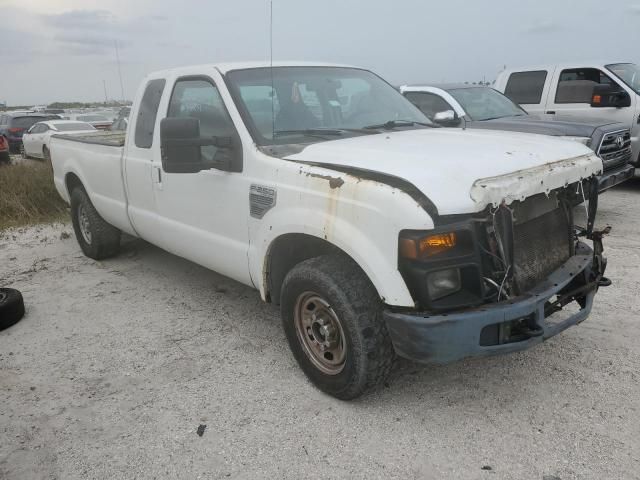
<point>320,333</point>
<point>84,224</point>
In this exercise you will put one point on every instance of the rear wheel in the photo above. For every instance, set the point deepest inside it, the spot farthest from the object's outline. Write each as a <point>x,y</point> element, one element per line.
<point>332,316</point>
<point>96,237</point>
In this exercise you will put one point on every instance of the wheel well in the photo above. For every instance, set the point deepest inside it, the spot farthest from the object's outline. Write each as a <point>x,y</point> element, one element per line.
<point>72,181</point>
<point>286,252</point>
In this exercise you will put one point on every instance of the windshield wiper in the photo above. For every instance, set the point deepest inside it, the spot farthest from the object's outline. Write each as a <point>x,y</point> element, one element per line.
<point>310,131</point>
<point>391,124</point>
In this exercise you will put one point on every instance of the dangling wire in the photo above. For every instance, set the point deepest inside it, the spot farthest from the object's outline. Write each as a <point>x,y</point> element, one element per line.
<point>584,202</point>
<point>506,274</point>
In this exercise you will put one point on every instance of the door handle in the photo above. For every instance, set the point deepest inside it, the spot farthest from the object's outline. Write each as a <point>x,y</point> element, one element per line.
<point>551,112</point>
<point>156,173</point>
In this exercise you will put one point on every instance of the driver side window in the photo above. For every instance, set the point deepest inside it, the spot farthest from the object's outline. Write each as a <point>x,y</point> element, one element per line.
<point>428,103</point>
<point>576,85</point>
<point>199,98</point>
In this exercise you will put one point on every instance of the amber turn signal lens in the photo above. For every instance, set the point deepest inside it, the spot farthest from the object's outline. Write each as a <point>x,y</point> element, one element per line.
<point>596,99</point>
<point>434,244</point>
<point>427,246</point>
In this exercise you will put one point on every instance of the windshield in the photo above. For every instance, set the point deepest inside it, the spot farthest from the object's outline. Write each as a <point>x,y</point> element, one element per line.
<point>628,73</point>
<point>304,101</point>
<point>92,118</point>
<point>72,127</point>
<point>482,103</point>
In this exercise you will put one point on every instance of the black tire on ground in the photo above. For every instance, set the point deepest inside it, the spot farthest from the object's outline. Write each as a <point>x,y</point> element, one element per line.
<point>96,237</point>
<point>11,307</point>
<point>348,292</point>
<point>4,158</point>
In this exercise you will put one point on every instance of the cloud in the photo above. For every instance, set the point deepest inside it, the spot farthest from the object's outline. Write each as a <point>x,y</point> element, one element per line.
<point>81,19</point>
<point>88,44</point>
<point>22,52</point>
<point>634,9</point>
<point>543,27</point>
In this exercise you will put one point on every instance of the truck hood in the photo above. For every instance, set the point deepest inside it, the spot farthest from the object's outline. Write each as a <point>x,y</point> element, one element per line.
<point>556,125</point>
<point>461,171</point>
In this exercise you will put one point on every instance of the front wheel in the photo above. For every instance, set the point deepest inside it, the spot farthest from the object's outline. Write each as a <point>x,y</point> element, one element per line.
<point>96,237</point>
<point>332,317</point>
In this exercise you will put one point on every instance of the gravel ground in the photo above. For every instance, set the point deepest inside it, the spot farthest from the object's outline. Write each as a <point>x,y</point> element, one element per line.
<point>117,363</point>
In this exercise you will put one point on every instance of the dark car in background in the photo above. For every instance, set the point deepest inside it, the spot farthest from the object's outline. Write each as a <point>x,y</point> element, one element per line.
<point>4,150</point>
<point>14,125</point>
<point>474,106</point>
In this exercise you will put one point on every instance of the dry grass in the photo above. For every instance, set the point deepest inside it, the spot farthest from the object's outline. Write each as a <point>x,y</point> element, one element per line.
<point>28,196</point>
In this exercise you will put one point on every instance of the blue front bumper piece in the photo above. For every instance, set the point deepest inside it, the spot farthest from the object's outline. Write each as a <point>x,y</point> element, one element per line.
<point>447,337</point>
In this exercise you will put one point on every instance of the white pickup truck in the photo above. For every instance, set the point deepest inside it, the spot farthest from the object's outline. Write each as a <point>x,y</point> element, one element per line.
<point>589,90</point>
<point>321,186</point>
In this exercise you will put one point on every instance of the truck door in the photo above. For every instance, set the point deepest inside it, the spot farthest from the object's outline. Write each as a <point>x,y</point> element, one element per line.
<point>202,216</point>
<point>571,93</point>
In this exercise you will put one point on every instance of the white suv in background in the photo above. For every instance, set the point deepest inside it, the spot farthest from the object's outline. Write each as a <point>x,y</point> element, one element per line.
<point>598,90</point>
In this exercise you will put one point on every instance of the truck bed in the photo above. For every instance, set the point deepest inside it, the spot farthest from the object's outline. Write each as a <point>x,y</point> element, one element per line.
<point>110,139</point>
<point>95,159</point>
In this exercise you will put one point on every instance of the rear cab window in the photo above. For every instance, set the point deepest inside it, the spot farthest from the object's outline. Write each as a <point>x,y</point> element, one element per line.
<point>147,112</point>
<point>526,87</point>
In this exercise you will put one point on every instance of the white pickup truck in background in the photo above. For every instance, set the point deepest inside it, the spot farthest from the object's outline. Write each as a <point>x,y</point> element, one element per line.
<point>326,190</point>
<point>605,91</point>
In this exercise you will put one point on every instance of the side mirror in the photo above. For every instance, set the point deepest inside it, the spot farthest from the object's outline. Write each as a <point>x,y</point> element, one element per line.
<point>610,96</point>
<point>448,118</point>
<point>180,147</point>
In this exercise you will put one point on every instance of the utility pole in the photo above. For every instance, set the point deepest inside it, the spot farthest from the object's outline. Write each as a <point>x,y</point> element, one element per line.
<point>106,99</point>
<point>119,71</point>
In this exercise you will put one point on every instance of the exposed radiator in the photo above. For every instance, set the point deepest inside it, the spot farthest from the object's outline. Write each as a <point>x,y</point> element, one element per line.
<point>541,245</point>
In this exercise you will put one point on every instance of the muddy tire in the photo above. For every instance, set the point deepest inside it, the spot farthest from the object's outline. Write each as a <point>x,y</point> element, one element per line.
<point>332,316</point>
<point>96,237</point>
<point>11,307</point>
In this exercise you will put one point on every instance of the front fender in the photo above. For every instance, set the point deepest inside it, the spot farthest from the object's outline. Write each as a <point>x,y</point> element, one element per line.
<point>363,218</point>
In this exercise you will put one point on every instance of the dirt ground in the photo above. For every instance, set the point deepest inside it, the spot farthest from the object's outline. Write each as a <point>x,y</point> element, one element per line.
<point>117,363</point>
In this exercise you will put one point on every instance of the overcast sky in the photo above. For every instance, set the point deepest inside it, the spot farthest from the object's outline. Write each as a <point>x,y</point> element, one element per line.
<point>62,50</point>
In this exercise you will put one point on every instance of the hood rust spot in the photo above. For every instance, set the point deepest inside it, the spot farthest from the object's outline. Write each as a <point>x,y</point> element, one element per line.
<point>334,182</point>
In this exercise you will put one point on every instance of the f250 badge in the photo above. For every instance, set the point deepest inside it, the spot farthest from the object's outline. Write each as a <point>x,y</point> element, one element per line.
<point>261,200</point>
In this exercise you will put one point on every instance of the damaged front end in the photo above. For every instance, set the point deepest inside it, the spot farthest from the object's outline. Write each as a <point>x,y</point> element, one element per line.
<point>492,283</point>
